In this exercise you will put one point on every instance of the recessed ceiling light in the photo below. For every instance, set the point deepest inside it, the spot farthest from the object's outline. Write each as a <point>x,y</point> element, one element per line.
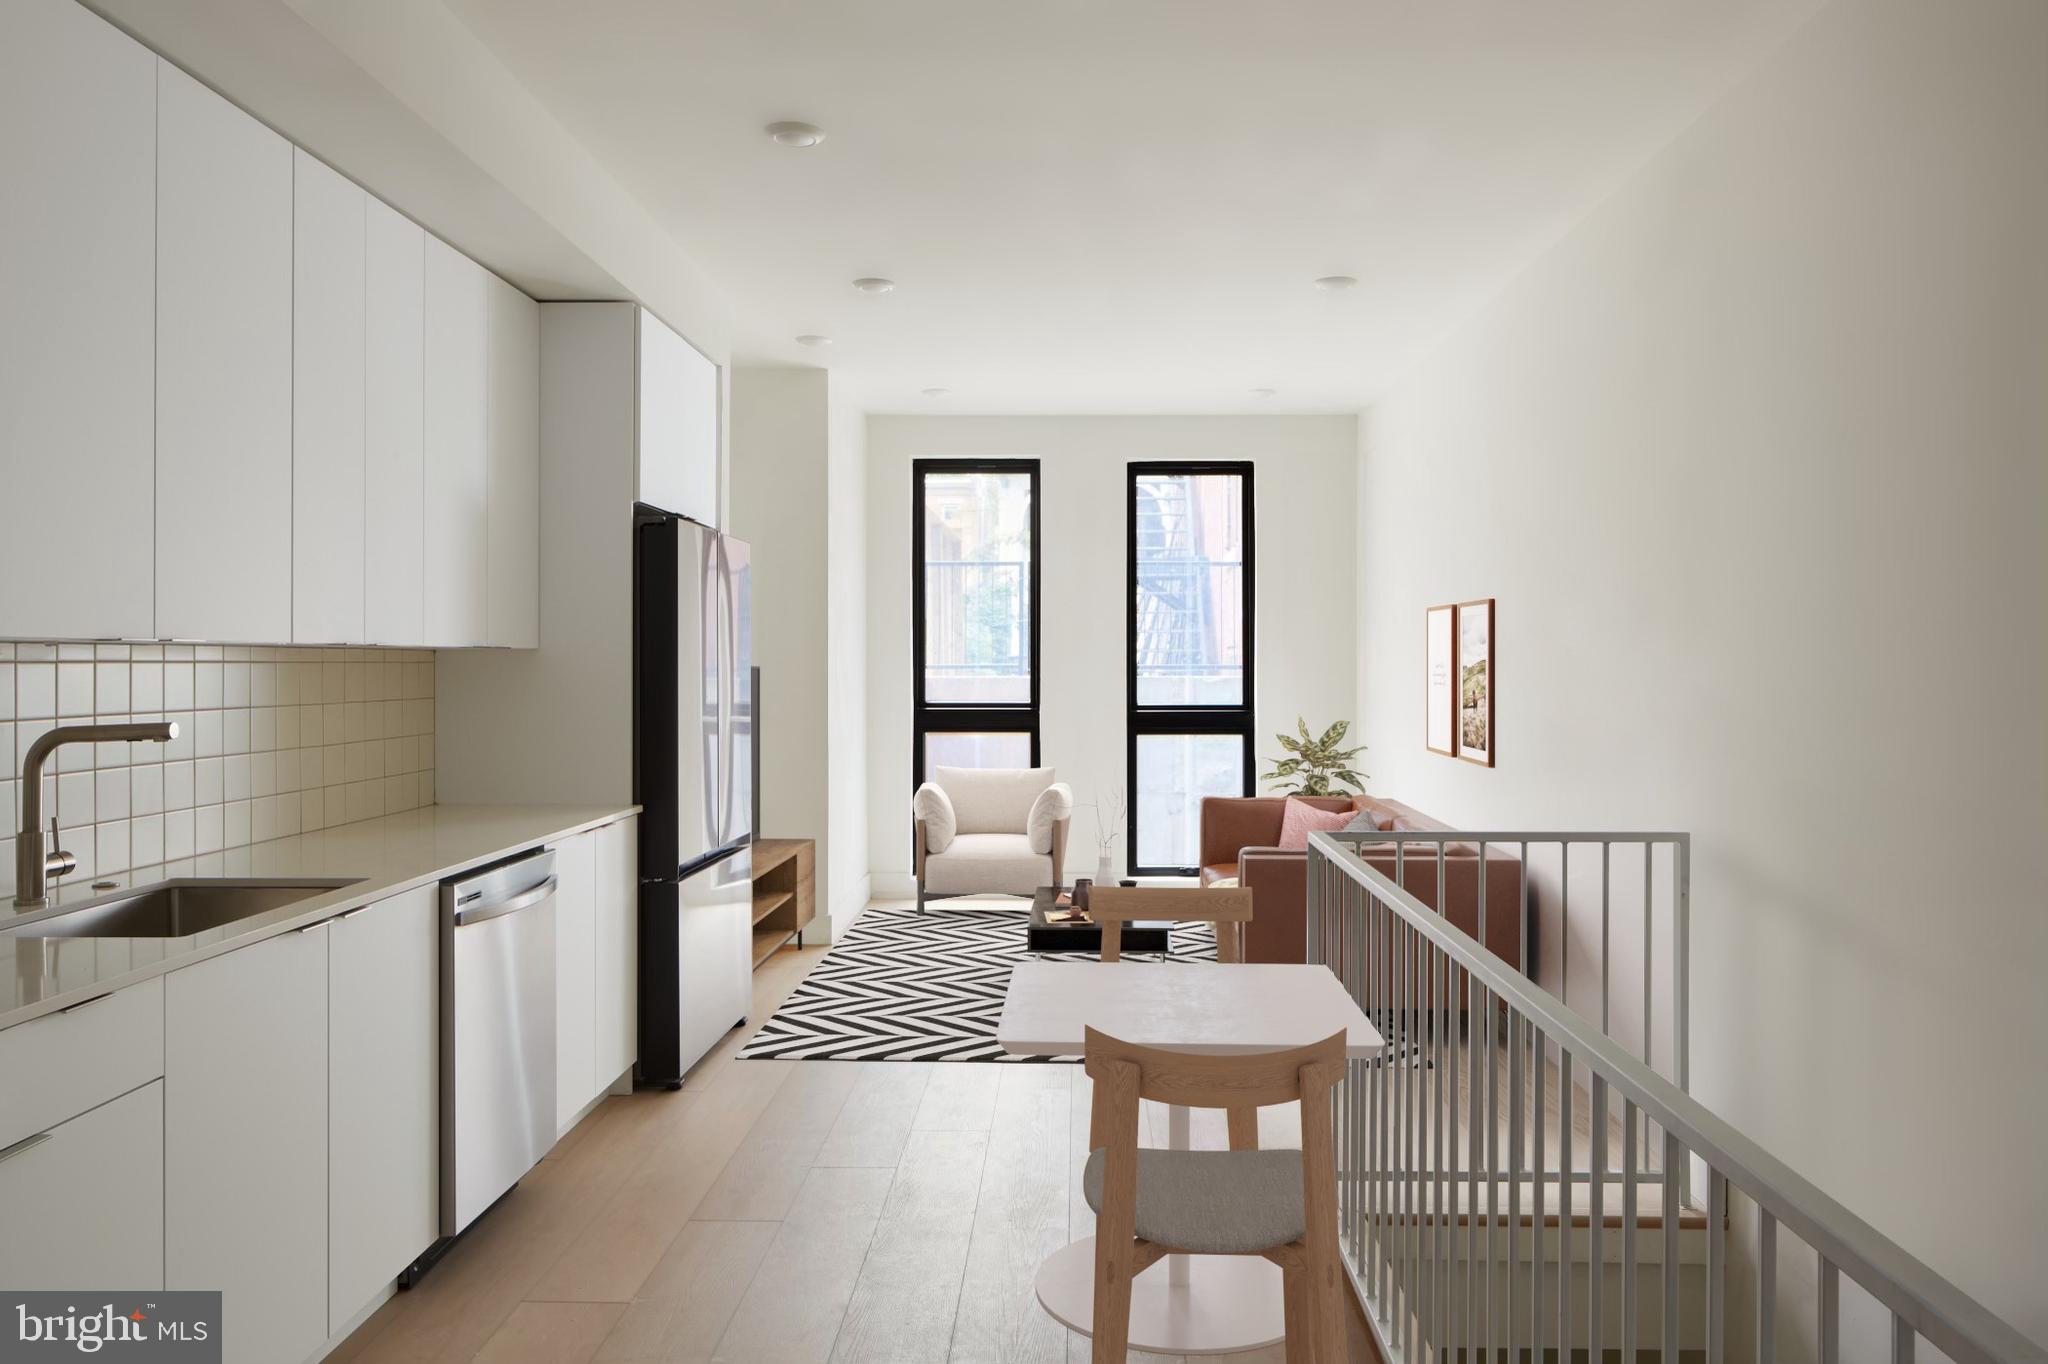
<point>937,392</point>
<point>808,340</point>
<point>874,284</point>
<point>1264,392</point>
<point>796,134</point>
<point>1337,284</point>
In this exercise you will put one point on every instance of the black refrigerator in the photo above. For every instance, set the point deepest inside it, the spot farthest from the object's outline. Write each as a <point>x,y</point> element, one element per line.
<point>693,764</point>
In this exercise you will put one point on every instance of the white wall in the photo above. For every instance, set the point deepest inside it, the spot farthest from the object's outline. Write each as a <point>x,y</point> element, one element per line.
<point>778,507</point>
<point>796,493</point>
<point>1303,492</point>
<point>1755,462</point>
<point>845,888</point>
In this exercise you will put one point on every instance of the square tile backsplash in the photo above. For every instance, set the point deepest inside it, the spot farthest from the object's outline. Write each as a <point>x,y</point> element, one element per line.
<point>270,742</point>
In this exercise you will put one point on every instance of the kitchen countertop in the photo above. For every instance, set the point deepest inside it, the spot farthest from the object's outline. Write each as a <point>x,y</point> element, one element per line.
<point>381,857</point>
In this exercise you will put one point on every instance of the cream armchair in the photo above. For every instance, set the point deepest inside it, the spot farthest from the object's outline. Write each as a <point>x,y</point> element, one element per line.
<point>990,831</point>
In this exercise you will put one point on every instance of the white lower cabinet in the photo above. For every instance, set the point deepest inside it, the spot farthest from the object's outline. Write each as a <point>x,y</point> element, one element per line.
<point>616,1030</point>
<point>289,1155</point>
<point>92,1191</point>
<point>597,955</point>
<point>576,1082</point>
<point>383,1088</point>
<point>245,1142</point>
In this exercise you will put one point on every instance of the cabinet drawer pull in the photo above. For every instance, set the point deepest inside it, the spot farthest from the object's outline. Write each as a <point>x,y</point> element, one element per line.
<point>25,1144</point>
<point>350,914</point>
<point>310,927</point>
<point>74,1008</point>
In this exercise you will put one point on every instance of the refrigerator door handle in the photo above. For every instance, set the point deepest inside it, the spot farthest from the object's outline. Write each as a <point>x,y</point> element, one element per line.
<point>728,692</point>
<point>712,668</point>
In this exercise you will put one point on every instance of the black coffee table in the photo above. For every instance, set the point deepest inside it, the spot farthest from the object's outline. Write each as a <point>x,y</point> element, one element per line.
<point>1043,935</point>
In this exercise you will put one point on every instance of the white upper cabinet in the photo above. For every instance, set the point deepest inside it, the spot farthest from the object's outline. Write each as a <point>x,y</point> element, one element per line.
<point>241,400</point>
<point>513,475</point>
<point>77,344</point>
<point>394,469</point>
<point>327,405</point>
<point>457,512</point>
<point>223,369</point>
<point>679,422</point>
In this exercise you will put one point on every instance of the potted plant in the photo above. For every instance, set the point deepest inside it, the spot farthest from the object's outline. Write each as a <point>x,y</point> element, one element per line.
<point>1317,767</point>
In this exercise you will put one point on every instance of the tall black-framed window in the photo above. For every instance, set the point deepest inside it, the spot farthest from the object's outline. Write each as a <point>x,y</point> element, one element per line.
<point>1190,653</point>
<point>974,613</point>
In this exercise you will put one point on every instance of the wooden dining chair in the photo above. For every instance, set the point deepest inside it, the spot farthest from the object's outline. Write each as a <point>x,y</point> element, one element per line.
<point>1278,1204</point>
<point>1114,906</point>
<point>1228,909</point>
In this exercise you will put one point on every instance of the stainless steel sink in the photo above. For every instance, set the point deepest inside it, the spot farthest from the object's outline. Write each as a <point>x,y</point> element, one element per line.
<point>176,909</point>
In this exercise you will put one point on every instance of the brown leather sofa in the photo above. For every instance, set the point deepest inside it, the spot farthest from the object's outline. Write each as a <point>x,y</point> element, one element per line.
<point>1239,838</point>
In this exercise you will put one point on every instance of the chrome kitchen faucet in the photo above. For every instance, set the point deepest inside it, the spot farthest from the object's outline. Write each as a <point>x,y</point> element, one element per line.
<point>36,855</point>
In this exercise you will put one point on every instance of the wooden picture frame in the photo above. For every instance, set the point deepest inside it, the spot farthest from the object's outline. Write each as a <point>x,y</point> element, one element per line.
<point>1439,680</point>
<point>1476,665</point>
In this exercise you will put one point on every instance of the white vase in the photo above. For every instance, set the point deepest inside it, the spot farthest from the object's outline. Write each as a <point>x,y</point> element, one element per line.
<point>1105,871</point>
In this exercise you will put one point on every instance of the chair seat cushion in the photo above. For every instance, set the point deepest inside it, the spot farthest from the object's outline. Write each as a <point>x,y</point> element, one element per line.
<point>987,863</point>
<point>1219,871</point>
<point>1212,1202</point>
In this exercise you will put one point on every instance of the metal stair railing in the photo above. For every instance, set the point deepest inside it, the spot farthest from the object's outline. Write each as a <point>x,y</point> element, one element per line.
<point>1444,1175</point>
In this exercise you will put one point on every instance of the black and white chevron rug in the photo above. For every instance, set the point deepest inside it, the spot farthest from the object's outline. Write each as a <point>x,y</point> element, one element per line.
<point>901,986</point>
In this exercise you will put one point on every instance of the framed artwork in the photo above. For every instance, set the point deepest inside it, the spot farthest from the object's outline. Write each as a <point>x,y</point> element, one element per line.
<point>1440,734</point>
<point>1474,656</point>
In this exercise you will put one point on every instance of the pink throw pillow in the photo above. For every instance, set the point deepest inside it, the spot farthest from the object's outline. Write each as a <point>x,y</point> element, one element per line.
<point>1298,819</point>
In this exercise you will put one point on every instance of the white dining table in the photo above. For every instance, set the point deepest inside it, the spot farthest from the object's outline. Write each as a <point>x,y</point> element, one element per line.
<point>1185,1304</point>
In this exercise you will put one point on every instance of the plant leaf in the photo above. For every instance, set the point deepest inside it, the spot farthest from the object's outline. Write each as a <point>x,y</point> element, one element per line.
<point>1334,733</point>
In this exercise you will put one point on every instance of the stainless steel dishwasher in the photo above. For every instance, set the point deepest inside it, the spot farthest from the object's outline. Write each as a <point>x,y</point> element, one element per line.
<point>497,1032</point>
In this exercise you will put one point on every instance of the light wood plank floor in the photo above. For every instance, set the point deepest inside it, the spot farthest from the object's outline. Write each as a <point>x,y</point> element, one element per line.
<point>782,1212</point>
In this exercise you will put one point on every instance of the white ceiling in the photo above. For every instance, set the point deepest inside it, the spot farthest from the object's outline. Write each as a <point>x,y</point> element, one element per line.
<point>1119,205</point>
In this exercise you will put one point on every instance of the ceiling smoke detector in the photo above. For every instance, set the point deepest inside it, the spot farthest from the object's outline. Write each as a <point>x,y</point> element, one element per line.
<point>1264,392</point>
<point>1337,284</point>
<point>811,340</point>
<point>937,392</point>
<point>789,134</point>
<point>874,284</point>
